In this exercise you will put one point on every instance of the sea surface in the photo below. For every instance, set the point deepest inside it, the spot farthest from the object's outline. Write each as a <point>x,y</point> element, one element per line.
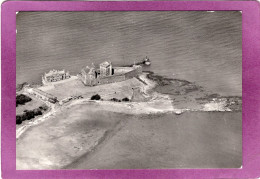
<point>198,46</point>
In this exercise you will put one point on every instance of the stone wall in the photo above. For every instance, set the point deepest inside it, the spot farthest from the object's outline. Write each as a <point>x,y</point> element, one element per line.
<point>110,79</point>
<point>122,70</point>
<point>42,94</point>
<point>121,74</point>
<point>133,73</point>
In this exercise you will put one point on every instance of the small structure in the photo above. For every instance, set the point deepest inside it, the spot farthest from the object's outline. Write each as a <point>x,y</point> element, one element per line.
<point>137,95</point>
<point>91,76</point>
<point>55,75</point>
<point>105,69</point>
<point>43,95</point>
<point>147,61</point>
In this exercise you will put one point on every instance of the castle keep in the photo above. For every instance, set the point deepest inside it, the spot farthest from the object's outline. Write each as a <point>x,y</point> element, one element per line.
<point>106,73</point>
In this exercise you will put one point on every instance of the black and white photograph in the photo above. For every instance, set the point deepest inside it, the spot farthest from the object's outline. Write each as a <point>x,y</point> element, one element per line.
<point>128,90</point>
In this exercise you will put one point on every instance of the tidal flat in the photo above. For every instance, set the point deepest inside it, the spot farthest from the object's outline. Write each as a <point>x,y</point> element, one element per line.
<point>85,137</point>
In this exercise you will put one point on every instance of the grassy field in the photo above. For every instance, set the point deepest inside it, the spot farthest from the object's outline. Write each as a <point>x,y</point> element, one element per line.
<point>107,91</point>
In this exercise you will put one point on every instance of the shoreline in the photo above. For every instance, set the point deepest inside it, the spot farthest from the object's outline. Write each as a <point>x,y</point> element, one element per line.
<point>157,102</point>
<point>22,128</point>
<point>95,123</point>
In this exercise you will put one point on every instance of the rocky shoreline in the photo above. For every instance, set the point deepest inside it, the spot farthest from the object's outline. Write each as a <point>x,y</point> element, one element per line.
<point>182,91</point>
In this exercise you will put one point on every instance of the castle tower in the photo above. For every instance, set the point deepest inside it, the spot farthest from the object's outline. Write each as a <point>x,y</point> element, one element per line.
<point>110,69</point>
<point>105,69</point>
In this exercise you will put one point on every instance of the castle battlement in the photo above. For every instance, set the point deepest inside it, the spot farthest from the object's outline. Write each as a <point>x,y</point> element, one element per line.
<point>91,76</point>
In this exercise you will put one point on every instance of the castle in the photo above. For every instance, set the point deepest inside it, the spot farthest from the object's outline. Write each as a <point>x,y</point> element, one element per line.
<point>106,73</point>
<point>55,75</point>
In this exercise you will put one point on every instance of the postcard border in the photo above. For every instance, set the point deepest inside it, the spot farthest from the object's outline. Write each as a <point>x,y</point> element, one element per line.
<point>250,86</point>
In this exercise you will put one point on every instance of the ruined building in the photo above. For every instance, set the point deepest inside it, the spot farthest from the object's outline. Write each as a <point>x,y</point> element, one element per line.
<point>106,73</point>
<point>55,75</point>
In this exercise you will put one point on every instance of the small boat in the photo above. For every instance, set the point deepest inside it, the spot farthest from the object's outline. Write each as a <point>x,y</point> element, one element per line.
<point>147,61</point>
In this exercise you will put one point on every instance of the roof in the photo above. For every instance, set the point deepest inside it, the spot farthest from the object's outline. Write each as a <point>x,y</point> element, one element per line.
<point>88,70</point>
<point>93,65</point>
<point>55,72</point>
<point>104,64</point>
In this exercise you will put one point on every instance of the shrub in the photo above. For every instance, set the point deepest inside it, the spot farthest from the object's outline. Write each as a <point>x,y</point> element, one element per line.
<point>29,115</point>
<point>115,99</point>
<point>95,97</point>
<point>125,99</point>
<point>24,117</point>
<point>43,107</point>
<point>37,112</point>
<point>22,99</point>
<point>19,120</point>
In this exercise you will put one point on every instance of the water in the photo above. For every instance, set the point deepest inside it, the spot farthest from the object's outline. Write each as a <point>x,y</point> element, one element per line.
<point>198,46</point>
<point>190,140</point>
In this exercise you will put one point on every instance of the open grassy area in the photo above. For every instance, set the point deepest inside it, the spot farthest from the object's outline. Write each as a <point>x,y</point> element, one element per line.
<point>107,91</point>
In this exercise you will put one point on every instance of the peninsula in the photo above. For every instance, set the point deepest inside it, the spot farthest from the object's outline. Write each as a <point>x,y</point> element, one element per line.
<point>118,90</point>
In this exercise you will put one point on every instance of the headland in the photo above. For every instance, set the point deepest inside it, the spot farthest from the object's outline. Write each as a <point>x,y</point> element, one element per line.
<point>118,91</point>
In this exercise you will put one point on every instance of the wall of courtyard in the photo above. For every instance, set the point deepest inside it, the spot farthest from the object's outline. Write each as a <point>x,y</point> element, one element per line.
<point>132,73</point>
<point>111,79</point>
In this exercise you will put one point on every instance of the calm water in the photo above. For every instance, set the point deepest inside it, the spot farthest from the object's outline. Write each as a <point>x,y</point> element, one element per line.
<point>190,140</point>
<point>202,47</point>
